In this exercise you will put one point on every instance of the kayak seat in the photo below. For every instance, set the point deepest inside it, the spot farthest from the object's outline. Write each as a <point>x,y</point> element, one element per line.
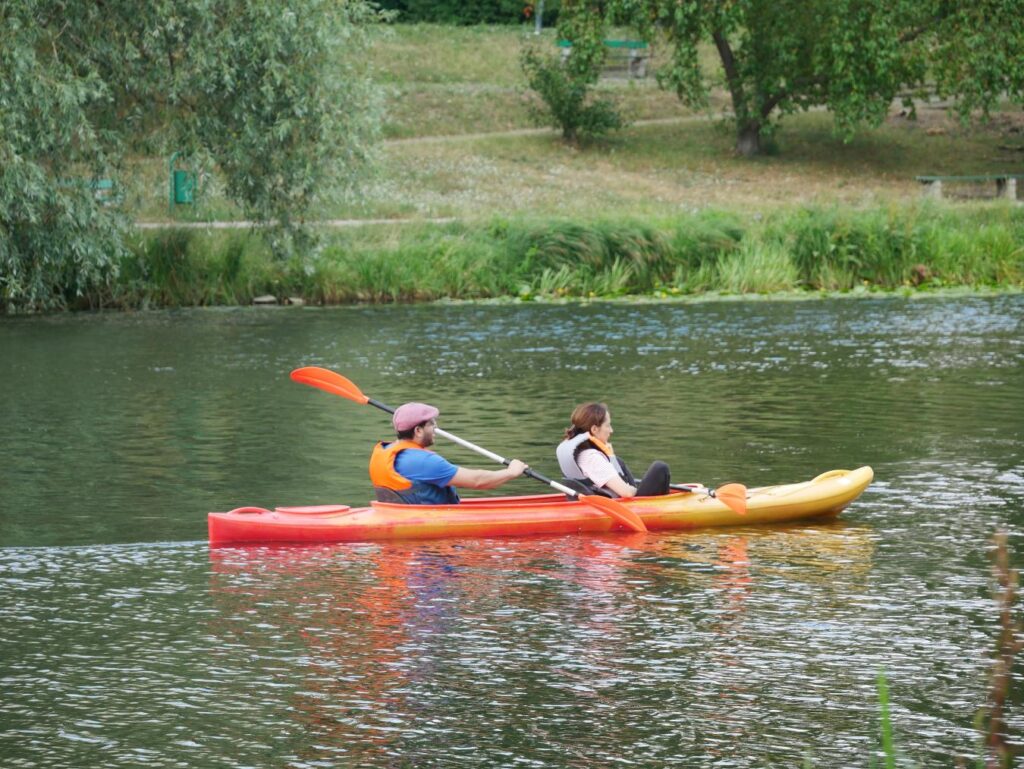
<point>313,509</point>
<point>585,487</point>
<point>392,496</point>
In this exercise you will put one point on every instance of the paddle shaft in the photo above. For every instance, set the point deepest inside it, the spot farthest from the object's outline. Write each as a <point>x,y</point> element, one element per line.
<point>484,452</point>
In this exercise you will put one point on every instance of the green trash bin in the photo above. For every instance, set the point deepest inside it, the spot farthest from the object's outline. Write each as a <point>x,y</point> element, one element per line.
<point>184,187</point>
<point>183,184</point>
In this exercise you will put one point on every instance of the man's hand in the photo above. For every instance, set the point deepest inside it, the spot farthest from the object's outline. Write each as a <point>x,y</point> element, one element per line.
<point>516,467</point>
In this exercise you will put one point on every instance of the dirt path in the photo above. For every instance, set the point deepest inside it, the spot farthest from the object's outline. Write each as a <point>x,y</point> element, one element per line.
<point>246,224</point>
<point>537,131</point>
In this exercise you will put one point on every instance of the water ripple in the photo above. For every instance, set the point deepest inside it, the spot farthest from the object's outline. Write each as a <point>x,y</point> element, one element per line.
<point>740,648</point>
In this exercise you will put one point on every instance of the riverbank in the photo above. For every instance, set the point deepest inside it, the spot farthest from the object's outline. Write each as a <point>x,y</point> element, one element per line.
<point>919,247</point>
<point>467,201</point>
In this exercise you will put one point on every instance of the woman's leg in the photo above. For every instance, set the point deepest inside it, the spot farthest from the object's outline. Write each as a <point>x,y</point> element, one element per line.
<point>655,481</point>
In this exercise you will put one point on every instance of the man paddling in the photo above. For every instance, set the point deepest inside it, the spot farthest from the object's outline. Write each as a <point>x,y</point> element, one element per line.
<point>407,471</point>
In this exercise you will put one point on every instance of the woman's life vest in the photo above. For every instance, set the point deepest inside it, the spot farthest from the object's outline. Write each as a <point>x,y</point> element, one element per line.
<point>569,449</point>
<point>390,486</point>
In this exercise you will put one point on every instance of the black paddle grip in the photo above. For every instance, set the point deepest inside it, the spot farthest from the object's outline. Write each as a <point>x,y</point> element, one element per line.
<point>380,405</point>
<point>536,476</point>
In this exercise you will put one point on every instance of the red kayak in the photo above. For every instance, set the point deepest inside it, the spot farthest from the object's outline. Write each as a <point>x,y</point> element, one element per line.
<point>822,497</point>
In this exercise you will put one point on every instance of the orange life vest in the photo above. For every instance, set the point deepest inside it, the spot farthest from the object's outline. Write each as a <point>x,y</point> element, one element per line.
<point>392,486</point>
<point>382,465</point>
<point>603,447</point>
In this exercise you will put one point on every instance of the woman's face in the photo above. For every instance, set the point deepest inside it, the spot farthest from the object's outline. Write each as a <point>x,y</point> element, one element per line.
<point>603,432</point>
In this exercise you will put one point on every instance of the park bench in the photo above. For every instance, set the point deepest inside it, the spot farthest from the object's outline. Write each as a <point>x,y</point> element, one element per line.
<point>628,56</point>
<point>1006,184</point>
<point>103,190</point>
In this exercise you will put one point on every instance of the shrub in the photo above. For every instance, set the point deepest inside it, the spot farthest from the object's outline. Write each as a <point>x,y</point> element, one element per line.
<point>568,103</point>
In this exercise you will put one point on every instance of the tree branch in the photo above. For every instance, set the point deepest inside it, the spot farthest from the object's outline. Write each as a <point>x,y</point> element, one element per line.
<point>776,98</point>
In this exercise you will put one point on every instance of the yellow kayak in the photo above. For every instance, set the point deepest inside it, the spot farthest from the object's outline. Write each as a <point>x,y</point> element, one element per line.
<point>825,496</point>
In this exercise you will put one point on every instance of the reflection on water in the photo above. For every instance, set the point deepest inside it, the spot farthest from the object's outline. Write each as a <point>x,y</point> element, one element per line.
<point>748,647</point>
<point>736,648</point>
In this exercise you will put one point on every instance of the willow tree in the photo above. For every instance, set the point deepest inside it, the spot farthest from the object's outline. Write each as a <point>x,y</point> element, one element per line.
<point>853,57</point>
<point>275,95</point>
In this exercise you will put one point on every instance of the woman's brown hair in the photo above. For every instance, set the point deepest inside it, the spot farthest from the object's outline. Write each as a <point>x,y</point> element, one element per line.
<point>585,416</point>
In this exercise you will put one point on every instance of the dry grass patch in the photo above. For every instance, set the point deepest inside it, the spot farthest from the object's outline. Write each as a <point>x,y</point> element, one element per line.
<point>662,169</point>
<point>652,170</point>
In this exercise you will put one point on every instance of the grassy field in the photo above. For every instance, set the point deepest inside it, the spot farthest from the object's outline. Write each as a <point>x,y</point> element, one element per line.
<point>461,148</point>
<point>646,170</point>
<point>445,81</point>
<point>457,100</point>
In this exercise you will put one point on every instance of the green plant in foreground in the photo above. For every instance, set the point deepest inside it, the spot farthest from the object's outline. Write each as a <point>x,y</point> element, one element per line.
<point>883,705</point>
<point>997,752</point>
<point>691,254</point>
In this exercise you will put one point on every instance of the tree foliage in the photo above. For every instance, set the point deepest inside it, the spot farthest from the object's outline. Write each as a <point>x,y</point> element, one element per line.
<point>466,11</point>
<point>852,56</point>
<point>276,96</point>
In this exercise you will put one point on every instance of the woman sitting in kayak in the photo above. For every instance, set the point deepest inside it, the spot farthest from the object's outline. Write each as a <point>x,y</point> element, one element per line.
<point>586,456</point>
<point>408,472</point>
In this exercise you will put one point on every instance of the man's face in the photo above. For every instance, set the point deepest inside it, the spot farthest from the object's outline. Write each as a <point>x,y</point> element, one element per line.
<point>424,434</point>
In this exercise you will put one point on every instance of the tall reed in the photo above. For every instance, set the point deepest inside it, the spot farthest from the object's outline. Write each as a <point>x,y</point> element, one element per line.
<point>999,752</point>
<point>916,246</point>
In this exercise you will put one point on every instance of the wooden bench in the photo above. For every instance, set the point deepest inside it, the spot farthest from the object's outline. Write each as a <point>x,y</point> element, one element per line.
<point>630,56</point>
<point>1006,184</point>
<point>103,190</point>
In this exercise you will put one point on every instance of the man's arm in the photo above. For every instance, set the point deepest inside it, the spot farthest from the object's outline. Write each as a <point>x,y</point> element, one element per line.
<point>472,478</point>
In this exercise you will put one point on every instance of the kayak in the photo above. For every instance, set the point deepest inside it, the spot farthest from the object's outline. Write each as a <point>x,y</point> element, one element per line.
<point>825,496</point>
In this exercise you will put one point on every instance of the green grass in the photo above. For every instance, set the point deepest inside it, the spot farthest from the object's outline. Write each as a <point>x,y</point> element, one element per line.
<point>464,80</point>
<point>461,82</point>
<point>920,247</point>
<point>653,170</point>
<point>193,268</point>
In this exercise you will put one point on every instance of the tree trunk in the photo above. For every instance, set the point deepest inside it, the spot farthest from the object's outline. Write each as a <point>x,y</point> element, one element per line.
<point>748,140</point>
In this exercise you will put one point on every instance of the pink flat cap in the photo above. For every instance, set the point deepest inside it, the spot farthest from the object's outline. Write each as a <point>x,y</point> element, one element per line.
<point>408,415</point>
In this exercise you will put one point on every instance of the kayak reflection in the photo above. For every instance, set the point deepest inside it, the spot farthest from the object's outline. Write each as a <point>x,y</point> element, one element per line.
<point>395,646</point>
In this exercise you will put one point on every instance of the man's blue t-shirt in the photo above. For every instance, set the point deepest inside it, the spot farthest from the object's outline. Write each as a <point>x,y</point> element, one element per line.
<point>430,474</point>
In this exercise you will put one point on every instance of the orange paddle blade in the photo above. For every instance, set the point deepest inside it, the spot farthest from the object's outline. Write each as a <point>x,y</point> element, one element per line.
<point>734,496</point>
<point>331,382</point>
<point>616,511</point>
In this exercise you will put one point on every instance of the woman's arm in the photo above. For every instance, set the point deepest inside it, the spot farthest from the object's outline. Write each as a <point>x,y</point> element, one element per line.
<point>620,487</point>
<point>597,467</point>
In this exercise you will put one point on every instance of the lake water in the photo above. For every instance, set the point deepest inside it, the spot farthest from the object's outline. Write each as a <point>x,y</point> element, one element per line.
<point>128,642</point>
